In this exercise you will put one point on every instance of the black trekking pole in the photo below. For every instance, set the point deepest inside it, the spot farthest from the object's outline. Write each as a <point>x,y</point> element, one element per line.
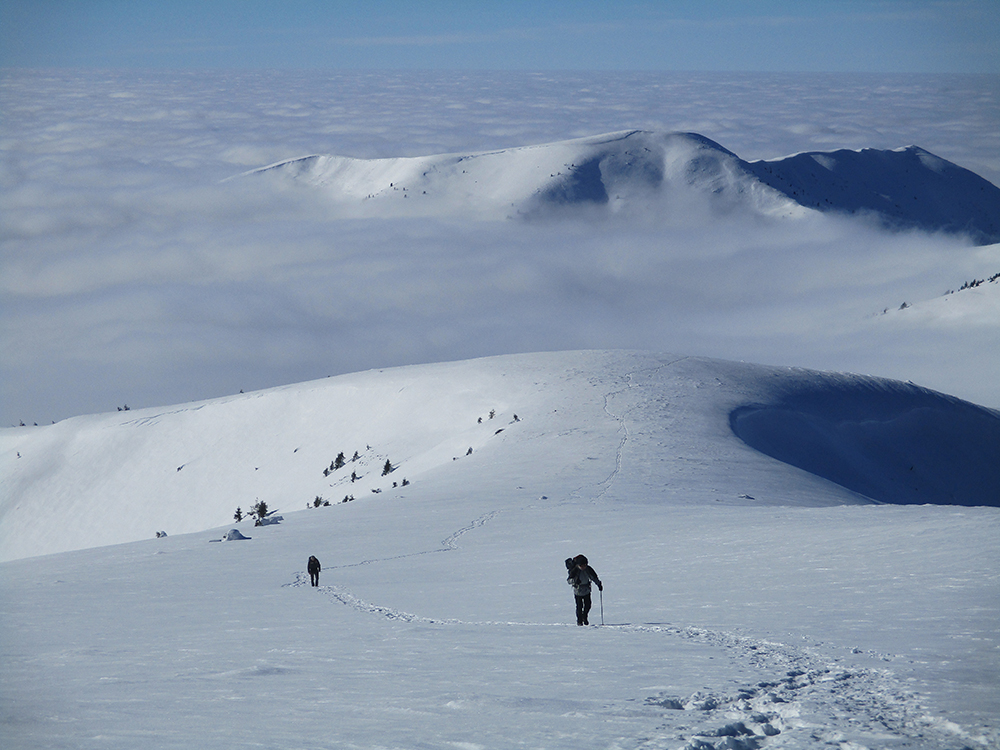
<point>602,605</point>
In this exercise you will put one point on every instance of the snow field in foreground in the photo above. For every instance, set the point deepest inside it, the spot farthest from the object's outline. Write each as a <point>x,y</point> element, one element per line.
<point>444,622</point>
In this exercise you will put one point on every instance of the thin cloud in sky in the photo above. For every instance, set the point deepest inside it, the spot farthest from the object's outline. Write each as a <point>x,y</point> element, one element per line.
<point>431,39</point>
<point>924,35</point>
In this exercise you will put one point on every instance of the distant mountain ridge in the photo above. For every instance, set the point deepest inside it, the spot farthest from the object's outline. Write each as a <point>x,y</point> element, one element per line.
<point>906,188</point>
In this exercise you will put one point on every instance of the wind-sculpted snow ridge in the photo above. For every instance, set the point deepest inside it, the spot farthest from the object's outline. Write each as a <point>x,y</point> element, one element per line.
<point>906,188</point>
<point>893,442</point>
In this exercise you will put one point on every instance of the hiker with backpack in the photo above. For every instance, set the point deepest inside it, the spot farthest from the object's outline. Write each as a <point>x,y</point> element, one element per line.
<point>580,577</point>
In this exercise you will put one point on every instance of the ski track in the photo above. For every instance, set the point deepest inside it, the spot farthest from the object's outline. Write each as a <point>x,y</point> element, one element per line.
<point>809,700</point>
<point>606,485</point>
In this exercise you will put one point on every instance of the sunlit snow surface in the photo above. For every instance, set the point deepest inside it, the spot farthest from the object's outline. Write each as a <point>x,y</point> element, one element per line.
<point>647,174</point>
<point>444,620</point>
<point>739,596</point>
<point>742,594</point>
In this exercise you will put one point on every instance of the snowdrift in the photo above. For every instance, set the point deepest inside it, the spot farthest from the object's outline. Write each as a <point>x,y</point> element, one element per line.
<point>888,441</point>
<point>643,428</point>
<point>903,188</point>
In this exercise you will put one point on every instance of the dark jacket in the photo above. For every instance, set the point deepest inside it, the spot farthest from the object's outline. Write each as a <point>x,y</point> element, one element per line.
<point>581,578</point>
<point>313,566</point>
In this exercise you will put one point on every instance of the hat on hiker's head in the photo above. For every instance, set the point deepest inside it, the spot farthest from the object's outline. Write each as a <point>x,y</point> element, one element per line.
<point>580,560</point>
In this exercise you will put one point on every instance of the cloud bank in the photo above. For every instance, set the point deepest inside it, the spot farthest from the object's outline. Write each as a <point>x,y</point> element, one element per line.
<point>130,273</point>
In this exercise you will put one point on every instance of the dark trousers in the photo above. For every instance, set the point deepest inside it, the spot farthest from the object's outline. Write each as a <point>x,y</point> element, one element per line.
<point>582,609</point>
<point>314,579</point>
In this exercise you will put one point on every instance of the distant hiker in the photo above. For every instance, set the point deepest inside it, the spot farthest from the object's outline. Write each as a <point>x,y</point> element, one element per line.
<point>314,568</point>
<point>581,575</point>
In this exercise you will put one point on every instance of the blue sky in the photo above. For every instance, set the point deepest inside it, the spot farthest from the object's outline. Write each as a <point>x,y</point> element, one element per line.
<point>730,35</point>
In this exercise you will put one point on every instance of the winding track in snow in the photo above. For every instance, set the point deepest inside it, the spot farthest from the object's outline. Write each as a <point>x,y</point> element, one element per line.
<point>623,429</point>
<point>448,544</point>
<point>622,419</point>
<point>810,700</point>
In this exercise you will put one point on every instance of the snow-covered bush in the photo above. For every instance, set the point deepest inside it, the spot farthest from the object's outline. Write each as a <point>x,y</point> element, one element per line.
<point>258,511</point>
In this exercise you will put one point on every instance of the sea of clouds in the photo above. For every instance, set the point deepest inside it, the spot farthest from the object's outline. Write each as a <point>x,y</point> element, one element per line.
<point>132,273</point>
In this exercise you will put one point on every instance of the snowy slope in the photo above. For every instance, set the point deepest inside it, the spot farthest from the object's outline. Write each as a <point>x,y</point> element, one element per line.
<point>977,305</point>
<point>613,169</point>
<point>653,429</point>
<point>442,620</point>
<point>904,188</point>
<point>445,622</point>
<point>747,603</point>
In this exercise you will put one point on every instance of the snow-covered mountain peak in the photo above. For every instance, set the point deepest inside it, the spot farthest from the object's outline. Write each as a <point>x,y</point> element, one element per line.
<point>611,169</point>
<point>648,171</point>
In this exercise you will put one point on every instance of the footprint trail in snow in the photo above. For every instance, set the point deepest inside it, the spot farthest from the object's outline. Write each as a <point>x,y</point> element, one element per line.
<point>805,697</point>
